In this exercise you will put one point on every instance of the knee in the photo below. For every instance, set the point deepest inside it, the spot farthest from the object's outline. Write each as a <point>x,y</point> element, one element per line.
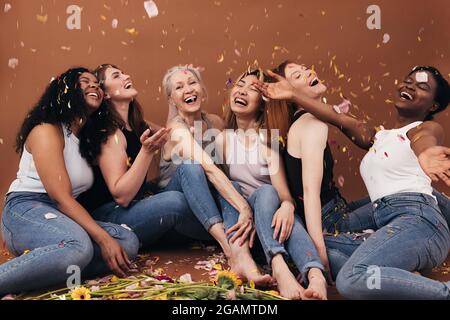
<point>268,195</point>
<point>125,236</point>
<point>80,251</point>
<point>129,242</point>
<point>191,167</point>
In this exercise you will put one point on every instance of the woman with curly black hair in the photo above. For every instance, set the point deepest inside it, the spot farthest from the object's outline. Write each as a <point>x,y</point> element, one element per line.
<point>43,225</point>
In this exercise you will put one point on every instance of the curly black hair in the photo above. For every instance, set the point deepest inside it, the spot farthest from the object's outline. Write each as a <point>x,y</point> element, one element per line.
<point>62,103</point>
<point>442,96</point>
<point>102,123</point>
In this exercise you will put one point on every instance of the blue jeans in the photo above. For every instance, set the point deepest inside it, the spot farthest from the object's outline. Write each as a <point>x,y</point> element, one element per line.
<point>203,199</point>
<point>299,246</point>
<point>152,217</point>
<point>54,244</point>
<point>338,215</point>
<point>411,235</point>
<point>356,216</point>
<point>361,218</point>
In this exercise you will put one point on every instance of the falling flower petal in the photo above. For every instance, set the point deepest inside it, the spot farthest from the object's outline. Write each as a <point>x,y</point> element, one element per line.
<point>151,8</point>
<point>13,63</point>
<point>50,216</point>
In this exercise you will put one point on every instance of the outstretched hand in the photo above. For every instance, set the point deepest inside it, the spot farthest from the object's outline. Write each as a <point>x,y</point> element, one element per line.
<point>280,90</point>
<point>435,162</point>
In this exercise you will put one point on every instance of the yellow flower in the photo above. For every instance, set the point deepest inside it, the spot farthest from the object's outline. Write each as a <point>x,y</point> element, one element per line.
<point>273,292</point>
<point>228,280</point>
<point>252,284</point>
<point>114,279</point>
<point>162,296</point>
<point>81,293</point>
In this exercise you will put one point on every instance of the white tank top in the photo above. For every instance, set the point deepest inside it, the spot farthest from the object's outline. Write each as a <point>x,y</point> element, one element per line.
<point>247,166</point>
<point>80,174</point>
<point>391,166</point>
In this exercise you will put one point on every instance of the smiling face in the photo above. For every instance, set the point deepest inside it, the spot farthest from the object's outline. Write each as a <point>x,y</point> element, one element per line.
<point>245,99</point>
<point>186,91</point>
<point>118,86</point>
<point>415,95</point>
<point>300,76</point>
<point>92,92</point>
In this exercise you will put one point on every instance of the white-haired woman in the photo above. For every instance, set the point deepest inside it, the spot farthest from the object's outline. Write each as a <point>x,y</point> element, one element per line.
<point>187,166</point>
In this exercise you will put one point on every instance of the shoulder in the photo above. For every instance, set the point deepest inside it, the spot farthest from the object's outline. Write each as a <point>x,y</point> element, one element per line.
<point>177,122</point>
<point>117,138</point>
<point>46,133</point>
<point>217,122</point>
<point>428,127</point>
<point>309,128</point>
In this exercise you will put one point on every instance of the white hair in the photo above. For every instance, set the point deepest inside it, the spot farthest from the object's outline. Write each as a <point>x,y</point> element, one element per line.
<point>166,82</point>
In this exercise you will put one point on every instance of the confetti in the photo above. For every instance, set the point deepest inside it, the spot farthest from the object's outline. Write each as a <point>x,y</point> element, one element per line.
<point>42,19</point>
<point>50,216</point>
<point>151,8</point>
<point>132,31</point>
<point>114,23</point>
<point>386,38</point>
<point>1,141</point>
<point>341,181</point>
<point>13,63</point>
<point>421,77</point>
<point>7,7</point>
<point>221,58</point>
<point>116,139</point>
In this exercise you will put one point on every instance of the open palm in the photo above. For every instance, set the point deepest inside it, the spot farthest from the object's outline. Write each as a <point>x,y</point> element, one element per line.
<point>281,90</point>
<point>435,162</point>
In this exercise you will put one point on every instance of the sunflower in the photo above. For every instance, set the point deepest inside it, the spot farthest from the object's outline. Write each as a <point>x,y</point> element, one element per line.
<point>228,280</point>
<point>81,293</point>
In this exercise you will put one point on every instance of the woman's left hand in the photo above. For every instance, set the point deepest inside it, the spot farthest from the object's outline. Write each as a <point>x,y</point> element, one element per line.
<point>283,222</point>
<point>435,162</point>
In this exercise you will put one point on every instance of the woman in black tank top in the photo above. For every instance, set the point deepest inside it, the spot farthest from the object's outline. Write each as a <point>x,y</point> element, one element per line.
<point>322,207</point>
<point>120,145</point>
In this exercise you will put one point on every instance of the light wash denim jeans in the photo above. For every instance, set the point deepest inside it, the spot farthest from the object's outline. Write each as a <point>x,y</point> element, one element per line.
<point>207,204</point>
<point>55,243</point>
<point>152,217</point>
<point>299,246</point>
<point>411,235</point>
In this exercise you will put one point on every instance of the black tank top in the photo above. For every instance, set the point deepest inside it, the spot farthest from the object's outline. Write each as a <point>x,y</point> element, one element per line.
<point>99,194</point>
<point>293,167</point>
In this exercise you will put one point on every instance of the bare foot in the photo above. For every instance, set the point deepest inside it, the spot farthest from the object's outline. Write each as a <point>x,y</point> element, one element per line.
<point>317,289</point>
<point>286,281</point>
<point>288,286</point>
<point>245,267</point>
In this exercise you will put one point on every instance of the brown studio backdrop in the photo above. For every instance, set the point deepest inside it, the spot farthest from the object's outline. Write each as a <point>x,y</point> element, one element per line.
<point>223,37</point>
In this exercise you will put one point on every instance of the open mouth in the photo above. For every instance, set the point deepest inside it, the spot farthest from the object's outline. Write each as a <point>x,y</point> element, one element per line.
<point>406,96</point>
<point>241,102</point>
<point>314,82</point>
<point>190,100</point>
<point>128,85</point>
<point>93,94</point>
